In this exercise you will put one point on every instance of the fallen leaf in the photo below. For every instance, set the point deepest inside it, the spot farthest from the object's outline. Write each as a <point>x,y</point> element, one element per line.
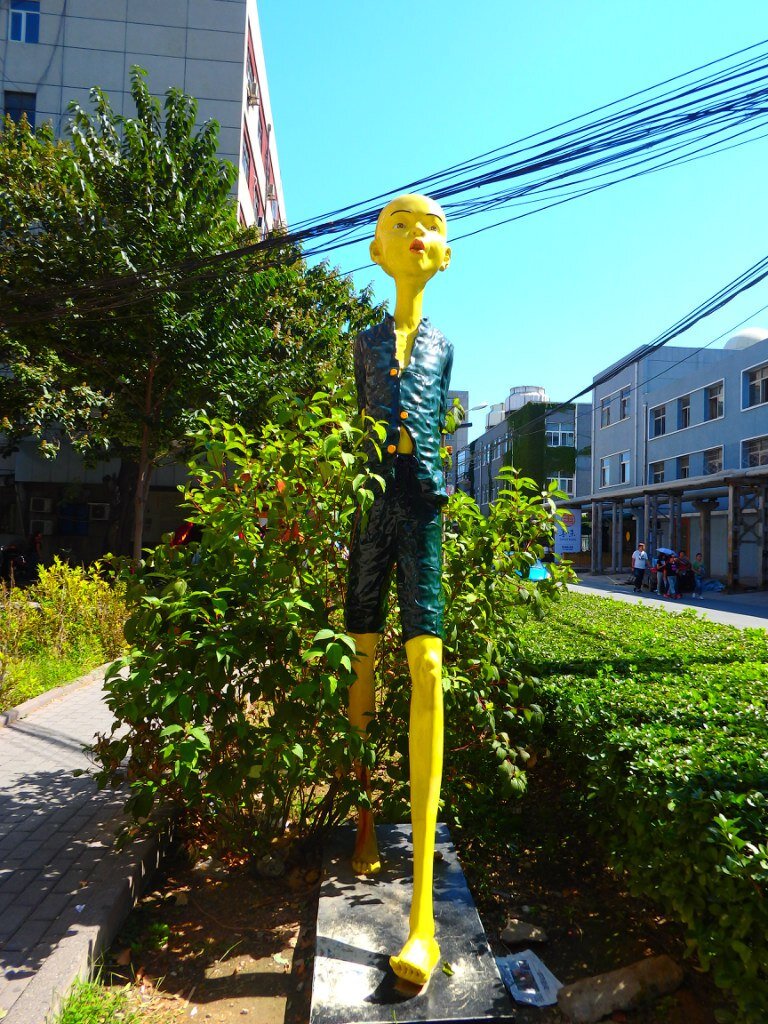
<point>447,969</point>
<point>280,959</point>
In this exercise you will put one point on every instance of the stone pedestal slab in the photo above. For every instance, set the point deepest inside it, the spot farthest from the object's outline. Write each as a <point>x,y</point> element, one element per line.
<point>362,921</point>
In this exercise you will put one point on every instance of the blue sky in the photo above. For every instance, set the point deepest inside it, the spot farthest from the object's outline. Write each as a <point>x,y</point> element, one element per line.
<point>368,96</point>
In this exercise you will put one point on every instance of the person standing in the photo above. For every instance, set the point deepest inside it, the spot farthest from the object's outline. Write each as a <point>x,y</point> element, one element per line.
<point>699,572</point>
<point>661,574</point>
<point>670,574</point>
<point>639,565</point>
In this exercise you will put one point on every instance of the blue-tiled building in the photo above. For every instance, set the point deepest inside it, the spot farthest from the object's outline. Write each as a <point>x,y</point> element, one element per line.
<point>680,456</point>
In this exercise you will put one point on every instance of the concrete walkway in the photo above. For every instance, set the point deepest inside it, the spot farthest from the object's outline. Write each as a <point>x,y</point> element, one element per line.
<point>747,610</point>
<point>64,890</point>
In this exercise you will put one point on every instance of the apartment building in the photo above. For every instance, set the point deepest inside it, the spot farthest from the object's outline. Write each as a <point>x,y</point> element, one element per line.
<point>55,51</point>
<point>542,439</point>
<point>680,457</point>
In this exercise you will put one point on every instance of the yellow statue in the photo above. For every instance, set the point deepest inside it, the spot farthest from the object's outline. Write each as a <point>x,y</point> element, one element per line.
<point>402,372</point>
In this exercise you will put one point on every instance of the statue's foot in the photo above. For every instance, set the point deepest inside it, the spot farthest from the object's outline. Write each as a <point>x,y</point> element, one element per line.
<point>365,856</point>
<point>416,960</point>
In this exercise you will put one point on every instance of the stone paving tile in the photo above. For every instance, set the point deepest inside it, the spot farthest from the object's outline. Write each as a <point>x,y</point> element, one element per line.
<point>55,831</point>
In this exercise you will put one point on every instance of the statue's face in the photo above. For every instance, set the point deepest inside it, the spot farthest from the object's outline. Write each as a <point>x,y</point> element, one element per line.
<point>411,239</point>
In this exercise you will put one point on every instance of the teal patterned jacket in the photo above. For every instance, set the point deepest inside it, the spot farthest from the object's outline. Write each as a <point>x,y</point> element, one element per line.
<point>416,398</point>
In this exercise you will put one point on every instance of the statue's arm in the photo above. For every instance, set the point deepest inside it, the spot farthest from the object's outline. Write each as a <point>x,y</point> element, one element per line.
<point>445,383</point>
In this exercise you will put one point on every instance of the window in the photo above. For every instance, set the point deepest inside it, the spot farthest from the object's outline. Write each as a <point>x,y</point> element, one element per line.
<point>659,421</point>
<point>757,386</point>
<point>563,483</point>
<point>683,467</point>
<point>684,412</point>
<point>559,436</point>
<point>714,401</point>
<point>19,103</point>
<point>605,475</point>
<point>246,160</point>
<point>713,460</point>
<point>656,473</point>
<point>754,452</point>
<point>24,21</point>
<point>624,403</point>
<point>624,467</point>
<point>605,412</point>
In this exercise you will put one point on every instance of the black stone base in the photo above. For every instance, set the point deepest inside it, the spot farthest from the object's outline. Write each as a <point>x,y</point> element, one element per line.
<point>361,922</point>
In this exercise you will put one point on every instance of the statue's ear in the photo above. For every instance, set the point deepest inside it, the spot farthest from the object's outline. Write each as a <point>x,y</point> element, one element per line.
<point>375,251</point>
<point>446,258</point>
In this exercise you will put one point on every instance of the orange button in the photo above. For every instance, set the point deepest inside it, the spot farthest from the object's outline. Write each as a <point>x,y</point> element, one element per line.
<point>391,448</point>
<point>393,372</point>
<point>403,415</point>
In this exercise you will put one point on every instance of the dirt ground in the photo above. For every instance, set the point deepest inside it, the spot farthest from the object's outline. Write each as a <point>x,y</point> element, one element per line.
<point>214,943</point>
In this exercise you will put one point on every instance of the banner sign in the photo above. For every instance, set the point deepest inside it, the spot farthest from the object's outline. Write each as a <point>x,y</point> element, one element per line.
<point>568,535</point>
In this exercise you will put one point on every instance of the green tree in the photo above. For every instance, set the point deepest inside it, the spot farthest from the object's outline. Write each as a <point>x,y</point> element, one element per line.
<point>119,325</point>
<point>233,703</point>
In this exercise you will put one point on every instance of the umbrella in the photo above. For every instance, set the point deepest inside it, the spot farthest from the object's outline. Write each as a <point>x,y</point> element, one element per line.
<point>665,551</point>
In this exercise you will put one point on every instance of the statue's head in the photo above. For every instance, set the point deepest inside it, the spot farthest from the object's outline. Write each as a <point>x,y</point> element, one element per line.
<point>411,239</point>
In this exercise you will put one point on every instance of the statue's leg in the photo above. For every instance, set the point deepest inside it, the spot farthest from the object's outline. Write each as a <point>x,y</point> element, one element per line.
<point>420,954</point>
<point>362,704</point>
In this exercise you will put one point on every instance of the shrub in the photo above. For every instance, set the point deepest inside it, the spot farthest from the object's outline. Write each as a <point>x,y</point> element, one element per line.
<point>68,621</point>
<point>673,748</point>
<point>232,700</point>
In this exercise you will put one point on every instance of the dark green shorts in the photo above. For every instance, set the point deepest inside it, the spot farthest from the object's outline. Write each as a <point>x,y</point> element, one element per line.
<point>406,531</point>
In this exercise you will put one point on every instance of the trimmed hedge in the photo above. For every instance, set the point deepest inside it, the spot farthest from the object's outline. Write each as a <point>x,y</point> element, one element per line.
<point>665,719</point>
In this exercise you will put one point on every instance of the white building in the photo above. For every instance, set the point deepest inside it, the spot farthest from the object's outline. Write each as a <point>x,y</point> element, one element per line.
<point>55,51</point>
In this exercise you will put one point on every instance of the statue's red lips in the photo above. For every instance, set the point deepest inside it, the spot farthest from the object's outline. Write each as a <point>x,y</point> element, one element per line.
<point>417,245</point>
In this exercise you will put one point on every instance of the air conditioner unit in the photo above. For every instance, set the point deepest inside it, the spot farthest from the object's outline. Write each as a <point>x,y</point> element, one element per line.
<point>98,511</point>
<point>271,192</point>
<point>44,526</point>
<point>38,505</point>
<point>252,94</point>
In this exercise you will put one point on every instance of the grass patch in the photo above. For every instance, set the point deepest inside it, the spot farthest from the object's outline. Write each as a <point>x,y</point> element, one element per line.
<point>89,1002</point>
<point>663,719</point>
<point>27,677</point>
<point>68,622</point>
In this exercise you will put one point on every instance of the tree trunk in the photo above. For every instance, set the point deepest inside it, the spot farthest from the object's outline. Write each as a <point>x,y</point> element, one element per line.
<point>145,469</point>
<point>123,495</point>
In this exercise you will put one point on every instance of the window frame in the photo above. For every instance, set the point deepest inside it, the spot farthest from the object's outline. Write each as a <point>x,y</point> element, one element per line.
<point>22,109</point>
<point>654,472</point>
<point>749,371</point>
<point>625,397</point>
<point>625,467</point>
<point>749,440</point>
<point>684,412</point>
<point>706,452</point>
<point>26,15</point>
<point>605,412</point>
<point>654,420</point>
<point>708,398</point>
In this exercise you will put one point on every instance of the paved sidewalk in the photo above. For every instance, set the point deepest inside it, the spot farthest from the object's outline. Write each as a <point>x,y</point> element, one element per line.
<point>747,610</point>
<point>64,890</point>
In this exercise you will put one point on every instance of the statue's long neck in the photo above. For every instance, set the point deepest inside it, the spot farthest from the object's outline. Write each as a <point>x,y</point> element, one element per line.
<point>409,302</point>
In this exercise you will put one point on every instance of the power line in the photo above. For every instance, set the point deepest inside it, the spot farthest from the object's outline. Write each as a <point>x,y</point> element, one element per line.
<point>694,114</point>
